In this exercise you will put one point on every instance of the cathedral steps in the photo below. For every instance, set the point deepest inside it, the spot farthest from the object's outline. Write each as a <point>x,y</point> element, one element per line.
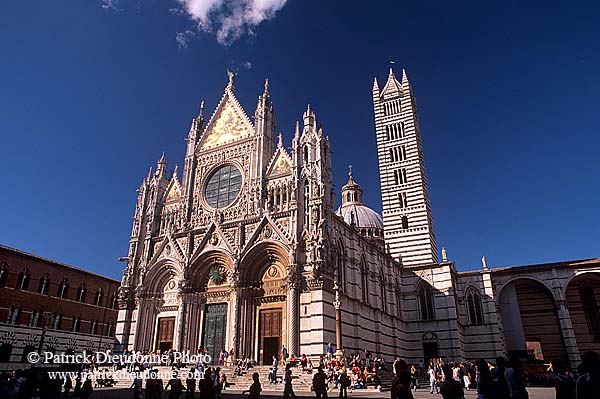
<point>301,380</point>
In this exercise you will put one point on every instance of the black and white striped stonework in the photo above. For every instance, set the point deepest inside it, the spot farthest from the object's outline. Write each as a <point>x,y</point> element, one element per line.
<point>408,224</point>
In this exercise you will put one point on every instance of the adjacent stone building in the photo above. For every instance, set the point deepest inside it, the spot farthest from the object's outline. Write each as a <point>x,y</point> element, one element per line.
<point>242,253</point>
<point>49,306</point>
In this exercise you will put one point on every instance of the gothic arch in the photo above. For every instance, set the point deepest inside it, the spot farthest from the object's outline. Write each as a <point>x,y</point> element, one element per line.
<point>425,300</point>
<point>532,278</point>
<point>214,261</point>
<point>574,276</point>
<point>160,273</point>
<point>259,258</point>
<point>474,306</point>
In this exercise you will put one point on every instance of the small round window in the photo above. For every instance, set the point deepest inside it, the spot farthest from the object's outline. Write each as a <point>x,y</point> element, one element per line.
<point>223,186</point>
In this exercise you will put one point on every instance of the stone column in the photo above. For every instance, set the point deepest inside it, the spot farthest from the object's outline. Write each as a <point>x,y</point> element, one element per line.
<point>294,333</point>
<point>339,353</point>
<point>182,293</point>
<point>568,333</point>
<point>235,316</point>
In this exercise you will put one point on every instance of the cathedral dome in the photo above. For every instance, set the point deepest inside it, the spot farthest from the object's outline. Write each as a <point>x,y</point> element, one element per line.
<point>368,222</point>
<point>360,216</point>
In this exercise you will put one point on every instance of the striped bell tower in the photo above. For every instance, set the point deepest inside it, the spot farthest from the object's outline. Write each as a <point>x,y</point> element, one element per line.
<point>407,220</point>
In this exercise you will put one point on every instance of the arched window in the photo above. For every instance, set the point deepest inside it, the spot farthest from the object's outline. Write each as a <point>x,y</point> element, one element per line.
<point>3,274</point>
<point>57,321</point>
<point>590,308</point>
<point>99,297</point>
<point>113,301</point>
<point>306,153</point>
<point>81,291</point>
<point>14,315</point>
<point>306,199</point>
<point>94,327</point>
<point>44,284</point>
<point>425,295</point>
<point>382,289</point>
<point>404,222</point>
<point>474,307</point>
<point>23,280</point>
<point>76,324</point>
<point>63,289</point>
<point>364,272</point>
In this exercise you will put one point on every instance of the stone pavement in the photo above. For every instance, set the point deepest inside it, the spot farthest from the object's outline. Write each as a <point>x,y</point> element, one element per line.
<point>112,393</point>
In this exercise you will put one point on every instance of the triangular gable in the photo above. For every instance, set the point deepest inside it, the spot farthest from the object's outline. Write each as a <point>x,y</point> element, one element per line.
<point>213,238</point>
<point>169,247</point>
<point>281,163</point>
<point>266,230</point>
<point>173,192</point>
<point>229,123</point>
<point>392,88</point>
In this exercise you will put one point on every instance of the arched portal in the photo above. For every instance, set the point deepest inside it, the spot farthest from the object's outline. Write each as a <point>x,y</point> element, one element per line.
<point>531,326</point>
<point>582,296</point>
<point>157,308</point>
<point>264,313</point>
<point>210,304</point>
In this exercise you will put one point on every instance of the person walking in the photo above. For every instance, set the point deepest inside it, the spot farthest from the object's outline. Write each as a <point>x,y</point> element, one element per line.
<point>344,383</point>
<point>255,389</point>
<point>174,386</point>
<point>137,387</point>
<point>487,388</point>
<point>402,381</point>
<point>190,384</point>
<point>273,373</point>
<point>433,386</point>
<point>451,388</point>
<point>205,386</point>
<point>288,390</point>
<point>513,378</point>
<point>320,383</point>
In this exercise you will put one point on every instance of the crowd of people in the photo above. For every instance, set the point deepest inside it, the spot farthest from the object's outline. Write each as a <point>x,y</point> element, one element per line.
<point>501,379</point>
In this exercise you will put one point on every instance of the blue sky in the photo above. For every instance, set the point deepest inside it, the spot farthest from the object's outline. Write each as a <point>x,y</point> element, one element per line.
<point>91,92</point>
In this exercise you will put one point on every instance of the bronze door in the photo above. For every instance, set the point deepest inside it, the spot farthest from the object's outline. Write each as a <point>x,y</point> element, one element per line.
<point>166,328</point>
<point>215,330</point>
<point>270,334</point>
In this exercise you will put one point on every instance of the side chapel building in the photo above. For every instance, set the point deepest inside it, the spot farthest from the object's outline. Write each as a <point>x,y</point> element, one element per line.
<point>242,253</point>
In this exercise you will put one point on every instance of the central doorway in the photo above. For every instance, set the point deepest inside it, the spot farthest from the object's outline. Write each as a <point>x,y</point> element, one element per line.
<point>166,327</point>
<point>269,342</point>
<point>214,331</point>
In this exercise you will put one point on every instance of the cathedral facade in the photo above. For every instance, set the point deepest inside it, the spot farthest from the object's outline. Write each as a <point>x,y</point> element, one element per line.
<point>247,252</point>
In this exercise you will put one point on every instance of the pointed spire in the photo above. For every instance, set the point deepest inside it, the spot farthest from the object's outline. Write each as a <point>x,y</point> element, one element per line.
<point>201,114</point>
<point>162,160</point>
<point>375,84</point>
<point>149,174</point>
<point>309,118</point>
<point>297,132</point>
<point>266,92</point>
<point>404,77</point>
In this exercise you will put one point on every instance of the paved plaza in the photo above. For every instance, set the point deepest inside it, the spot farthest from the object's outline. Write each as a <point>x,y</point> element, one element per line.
<point>534,393</point>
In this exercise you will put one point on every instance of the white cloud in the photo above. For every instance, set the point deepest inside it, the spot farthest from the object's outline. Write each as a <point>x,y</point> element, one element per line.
<point>183,38</point>
<point>247,64</point>
<point>110,4</point>
<point>230,19</point>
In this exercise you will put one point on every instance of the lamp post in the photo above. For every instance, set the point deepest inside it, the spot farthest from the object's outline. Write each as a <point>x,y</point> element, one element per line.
<point>339,353</point>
